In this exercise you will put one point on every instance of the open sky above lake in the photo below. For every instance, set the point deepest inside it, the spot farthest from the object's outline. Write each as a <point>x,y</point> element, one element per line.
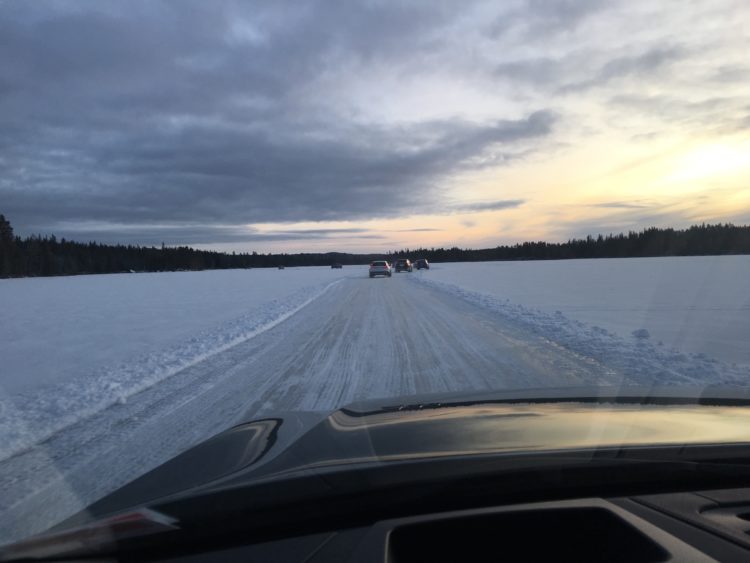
<point>371,126</point>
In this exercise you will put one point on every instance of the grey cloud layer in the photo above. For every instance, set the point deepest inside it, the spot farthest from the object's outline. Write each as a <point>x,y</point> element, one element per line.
<point>489,206</point>
<point>187,234</point>
<point>220,114</point>
<point>185,113</point>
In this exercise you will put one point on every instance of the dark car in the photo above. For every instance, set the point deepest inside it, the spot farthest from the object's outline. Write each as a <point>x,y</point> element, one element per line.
<point>336,266</point>
<point>403,265</point>
<point>585,474</point>
<point>422,264</point>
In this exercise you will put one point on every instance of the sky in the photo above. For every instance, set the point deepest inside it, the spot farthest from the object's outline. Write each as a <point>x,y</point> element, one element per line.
<point>371,126</point>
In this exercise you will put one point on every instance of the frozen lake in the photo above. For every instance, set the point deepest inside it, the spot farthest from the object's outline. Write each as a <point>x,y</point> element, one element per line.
<point>696,304</point>
<point>106,377</point>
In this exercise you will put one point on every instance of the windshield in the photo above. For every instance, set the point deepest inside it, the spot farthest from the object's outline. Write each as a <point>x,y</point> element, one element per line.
<point>200,203</point>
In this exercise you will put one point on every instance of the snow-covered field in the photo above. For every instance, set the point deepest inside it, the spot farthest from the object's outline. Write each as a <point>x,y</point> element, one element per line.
<point>104,377</point>
<point>71,346</point>
<point>697,304</point>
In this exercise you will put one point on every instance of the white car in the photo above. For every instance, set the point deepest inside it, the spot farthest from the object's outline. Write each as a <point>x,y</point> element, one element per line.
<point>380,268</point>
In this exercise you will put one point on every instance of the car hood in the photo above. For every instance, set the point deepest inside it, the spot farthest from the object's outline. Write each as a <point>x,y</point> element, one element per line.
<point>415,428</point>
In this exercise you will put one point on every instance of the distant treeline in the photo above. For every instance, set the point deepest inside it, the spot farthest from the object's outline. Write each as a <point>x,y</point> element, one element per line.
<point>47,256</point>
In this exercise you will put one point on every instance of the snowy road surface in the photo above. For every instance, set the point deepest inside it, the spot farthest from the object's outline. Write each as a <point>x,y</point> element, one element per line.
<point>358,339</point>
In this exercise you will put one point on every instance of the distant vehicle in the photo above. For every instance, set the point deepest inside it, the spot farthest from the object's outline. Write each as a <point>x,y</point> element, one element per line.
<point>336,266</point>
<point>380,268</point>
<point>281,267</point>
<point>422,264</point>
<point>403,265</point>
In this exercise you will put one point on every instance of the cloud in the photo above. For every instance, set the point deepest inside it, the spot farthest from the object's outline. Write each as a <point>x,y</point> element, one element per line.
<point>154,235</point>
<point>621,217</point>
<point>488,206</point>
<point>731,74</point>
<point>537,71</point>
<point>638,66</point>
<point>321,232</point>
<point>228,176</point>
<point>208,117</point>
<point>623,222</point>
<point>722,114</point>
<point>192,114</point>
<point>559,73</point>
<point>619,205</point>
<point>532,18</point>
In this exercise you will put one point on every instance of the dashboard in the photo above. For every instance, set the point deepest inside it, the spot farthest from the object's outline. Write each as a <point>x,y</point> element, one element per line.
<point>686,526</point>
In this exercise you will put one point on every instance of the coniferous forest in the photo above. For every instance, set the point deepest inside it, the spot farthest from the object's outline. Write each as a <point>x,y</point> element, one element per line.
<point>48,256</point>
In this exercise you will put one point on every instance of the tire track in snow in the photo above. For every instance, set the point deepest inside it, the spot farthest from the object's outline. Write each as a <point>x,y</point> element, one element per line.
<point>362,339</point>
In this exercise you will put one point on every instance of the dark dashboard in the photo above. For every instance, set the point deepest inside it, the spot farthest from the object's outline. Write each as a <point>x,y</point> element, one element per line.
<point>688,526</point>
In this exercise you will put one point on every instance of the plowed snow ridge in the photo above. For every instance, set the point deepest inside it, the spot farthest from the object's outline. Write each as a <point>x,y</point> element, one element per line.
<point>30,419</point>
<point>318,348</point>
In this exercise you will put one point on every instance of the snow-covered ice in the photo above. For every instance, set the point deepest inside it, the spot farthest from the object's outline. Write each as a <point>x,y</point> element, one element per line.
<point>697,304</point>
<point>105,377</point>
<point>71,346</point>
<point>55,329</point>
<point>620,360</point>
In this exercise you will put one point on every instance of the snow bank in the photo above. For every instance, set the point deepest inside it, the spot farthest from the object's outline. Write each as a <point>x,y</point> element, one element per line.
<point>73,346</point>
<point>697,304</point>
<point>636,360</point>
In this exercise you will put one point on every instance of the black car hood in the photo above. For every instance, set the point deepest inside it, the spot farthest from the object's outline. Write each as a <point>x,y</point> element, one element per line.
<point>276,470</point>
<point>422,427</point>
